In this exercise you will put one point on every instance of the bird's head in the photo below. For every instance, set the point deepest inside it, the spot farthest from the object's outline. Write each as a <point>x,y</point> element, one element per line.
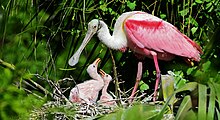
<point>106,77</point>
<point>93,27</point>
<point>92,68</point>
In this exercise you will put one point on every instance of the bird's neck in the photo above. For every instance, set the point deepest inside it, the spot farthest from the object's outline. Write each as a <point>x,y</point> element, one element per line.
<point>96,76</point>
<point>104,89</point>
<point>116,41</point>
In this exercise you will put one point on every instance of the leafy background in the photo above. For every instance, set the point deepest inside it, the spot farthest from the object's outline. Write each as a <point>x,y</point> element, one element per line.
<point>38,37</point>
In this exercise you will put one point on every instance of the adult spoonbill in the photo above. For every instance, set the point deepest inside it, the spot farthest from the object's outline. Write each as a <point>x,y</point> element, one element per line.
<point>106,99</point>
<point>87,92</point>
<point>144,34</point>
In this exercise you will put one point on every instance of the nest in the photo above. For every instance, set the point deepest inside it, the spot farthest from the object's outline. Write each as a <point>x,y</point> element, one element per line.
<point>60,108</point>
<point>68,111</point>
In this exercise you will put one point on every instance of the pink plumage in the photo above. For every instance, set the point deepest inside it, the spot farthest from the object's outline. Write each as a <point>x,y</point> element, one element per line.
<point>88,91</point>
<point>161,37</point>
<point>106,99</point>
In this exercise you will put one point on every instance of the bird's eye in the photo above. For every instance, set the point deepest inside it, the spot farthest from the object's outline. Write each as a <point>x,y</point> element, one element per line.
<point>94,27</point>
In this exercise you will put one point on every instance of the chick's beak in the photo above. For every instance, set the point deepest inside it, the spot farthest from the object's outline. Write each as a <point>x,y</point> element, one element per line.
<point>97,61</point>
<point>102,72</point>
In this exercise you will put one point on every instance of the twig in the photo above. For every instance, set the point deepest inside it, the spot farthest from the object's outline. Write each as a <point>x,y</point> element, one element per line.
<point>40,87</point>
<point>59,92</point>
<point>117,88</point>
<point>51,83</point>
<point>33,93</point>
<point>66,79</point>
<point>125,99</point>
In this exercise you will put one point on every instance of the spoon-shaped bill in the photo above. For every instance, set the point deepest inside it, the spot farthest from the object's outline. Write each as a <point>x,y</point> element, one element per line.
<point>75,58</point>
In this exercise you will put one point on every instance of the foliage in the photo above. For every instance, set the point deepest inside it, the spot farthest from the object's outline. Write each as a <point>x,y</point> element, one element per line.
<point>15,103</point>
<point>38,37</point>
<point>140,112</point>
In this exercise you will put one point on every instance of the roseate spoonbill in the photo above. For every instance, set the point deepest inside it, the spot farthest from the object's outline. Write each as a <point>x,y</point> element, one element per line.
<point>144,34</point>
<point>106,99</point>
<point>88,91</point>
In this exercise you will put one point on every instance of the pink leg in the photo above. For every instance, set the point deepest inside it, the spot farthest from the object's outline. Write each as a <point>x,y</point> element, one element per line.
<point>158,74</point>
<point>138,78</point>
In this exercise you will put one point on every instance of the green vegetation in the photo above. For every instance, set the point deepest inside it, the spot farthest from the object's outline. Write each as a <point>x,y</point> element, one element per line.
<point>38,37</point>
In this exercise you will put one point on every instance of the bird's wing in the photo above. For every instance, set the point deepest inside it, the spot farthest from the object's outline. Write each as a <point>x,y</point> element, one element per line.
<point>160,36</point>
<point>89,89</point>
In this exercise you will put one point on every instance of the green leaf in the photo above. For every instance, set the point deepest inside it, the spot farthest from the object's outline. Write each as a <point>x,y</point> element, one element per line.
<point>6,78</point>
<point>179,79</point>
<point>189,86</point>
<point>206,66</point>
<point>103,7</point>
<point>180,83</point>
<point>199,1</point>
<point>27,76</point>
<point>217,88</point>
<point>199,73</point>
<point>163,16</point>
<point>202,102</point>
<point>194,29</point>
<point>190,70</point>
<point>184,12</point>
<point>164,109</point>
<point>190,115</point>
<point>194,22</point>
<point>211,107</point>
<point>131,5</point>
<point>208,5</point>
<point>218,114</point>
<point>143,86</point>
<point>168,87</point>
<point>185,105</point>
<point>113,116</point>
<point>139,112</point>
